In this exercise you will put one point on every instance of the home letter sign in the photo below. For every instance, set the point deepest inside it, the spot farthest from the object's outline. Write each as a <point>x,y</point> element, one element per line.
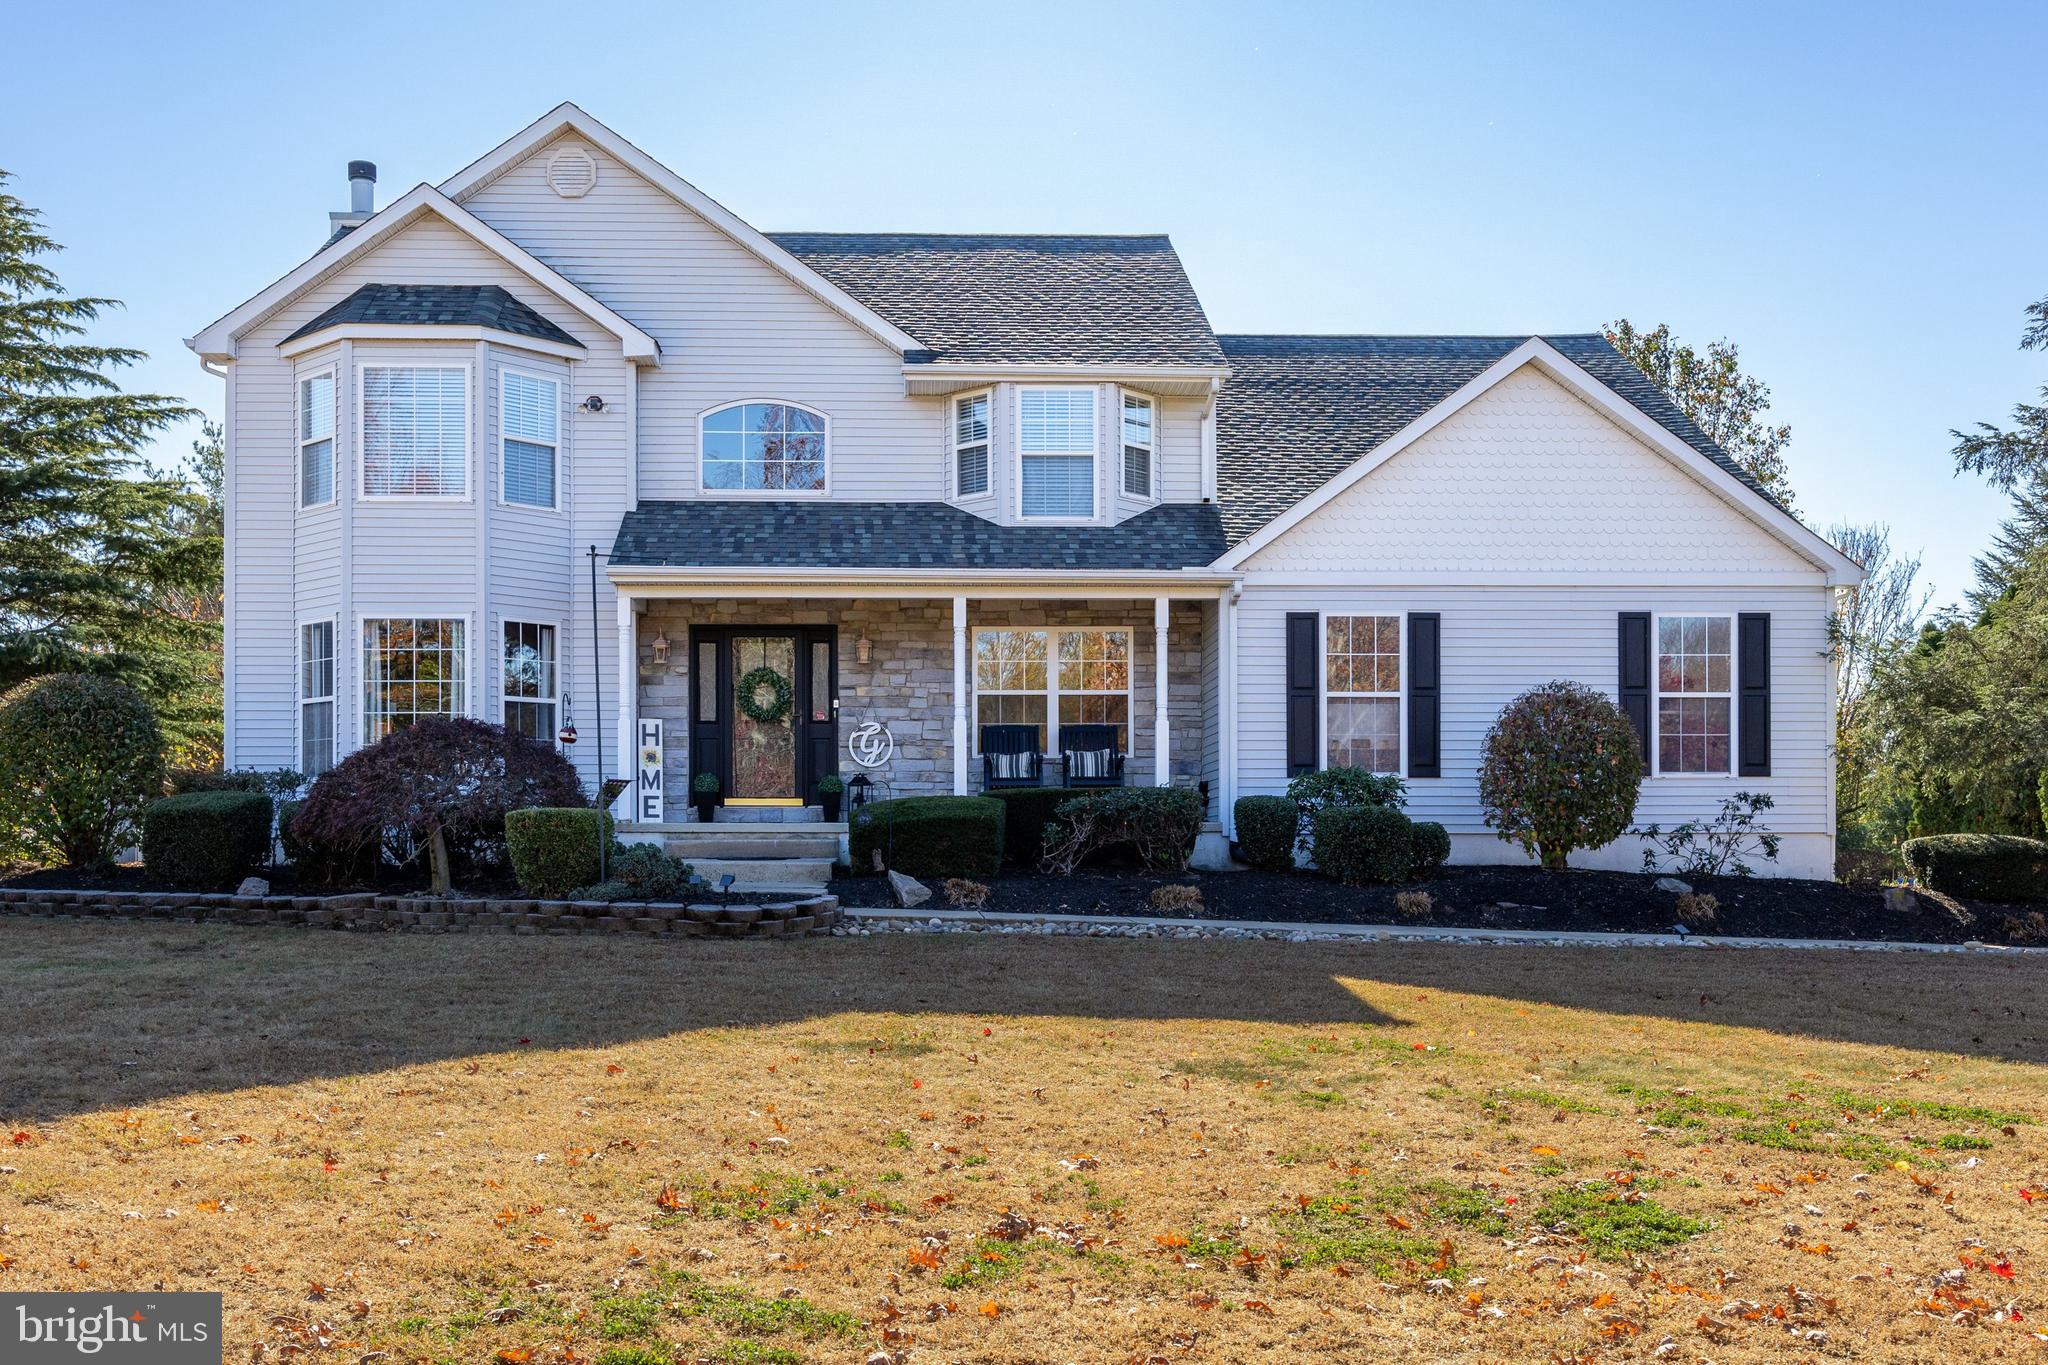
<point>649,793</point>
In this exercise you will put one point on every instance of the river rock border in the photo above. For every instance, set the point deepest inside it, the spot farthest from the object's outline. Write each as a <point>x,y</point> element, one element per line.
<point>436,914</point>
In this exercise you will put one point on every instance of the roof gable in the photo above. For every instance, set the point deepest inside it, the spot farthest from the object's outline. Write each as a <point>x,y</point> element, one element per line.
<point>1023,299</point>
<point>567,118</point>
<point>217,340</point>
<point>1303,418</point>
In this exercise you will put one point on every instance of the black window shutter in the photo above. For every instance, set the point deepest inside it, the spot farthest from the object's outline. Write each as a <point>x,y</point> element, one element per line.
<point>1303,665</point>
<point>1753,714</point>
<point>1425,691</point>
<point>1635,677</point>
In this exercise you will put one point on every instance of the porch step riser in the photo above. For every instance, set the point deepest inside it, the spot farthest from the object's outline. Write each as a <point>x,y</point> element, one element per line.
<point>768,815</point>
<point>709,845</point>
<point>756,872</point>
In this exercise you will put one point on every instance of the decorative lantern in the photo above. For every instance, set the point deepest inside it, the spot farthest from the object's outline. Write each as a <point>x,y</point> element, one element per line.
<point>864,649</point>
<point>660,648</point>
<point>858,785</point>
<point>567,734</point>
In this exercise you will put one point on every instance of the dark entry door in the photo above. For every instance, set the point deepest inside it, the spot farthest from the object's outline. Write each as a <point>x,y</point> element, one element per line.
<point>764,711</point>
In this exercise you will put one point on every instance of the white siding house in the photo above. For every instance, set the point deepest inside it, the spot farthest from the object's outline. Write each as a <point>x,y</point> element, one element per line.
<point>975,495</point>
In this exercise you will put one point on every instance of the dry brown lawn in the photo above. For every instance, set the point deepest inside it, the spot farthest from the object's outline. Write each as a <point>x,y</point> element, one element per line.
<point>1014,1149</point>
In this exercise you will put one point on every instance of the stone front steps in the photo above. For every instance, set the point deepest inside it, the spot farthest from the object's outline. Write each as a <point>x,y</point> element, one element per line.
<point>762,858</point>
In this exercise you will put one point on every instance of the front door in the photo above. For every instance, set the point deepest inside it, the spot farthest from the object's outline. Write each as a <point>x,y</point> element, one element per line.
<point>764,711</point>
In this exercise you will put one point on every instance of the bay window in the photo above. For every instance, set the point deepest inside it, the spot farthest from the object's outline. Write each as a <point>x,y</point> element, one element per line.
<point>316,697</point>
<point>528,680</point>
<point>1362,693</point>
<point>316,439</point>
<point>415,431</point>
<point>412,667</point>
<point>1138,446</point>
<point>528,438</point>
<point>970,445</point>
<point>1056,441</point>
<point>1695,693</point>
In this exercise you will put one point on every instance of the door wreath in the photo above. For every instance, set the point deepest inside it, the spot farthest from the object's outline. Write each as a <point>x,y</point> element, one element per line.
<point>747,697</point>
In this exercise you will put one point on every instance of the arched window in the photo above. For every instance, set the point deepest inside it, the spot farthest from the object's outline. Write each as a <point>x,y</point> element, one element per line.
<point>764,447</point>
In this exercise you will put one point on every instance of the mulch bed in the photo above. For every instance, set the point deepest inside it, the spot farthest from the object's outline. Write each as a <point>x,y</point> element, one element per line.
<point>1505,898</point>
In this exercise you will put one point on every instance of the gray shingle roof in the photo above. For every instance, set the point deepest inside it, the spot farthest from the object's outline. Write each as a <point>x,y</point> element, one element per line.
<point>1298,410</point>
<point>1021,299</point>
<point>708,533</point>
<point>445,305</point>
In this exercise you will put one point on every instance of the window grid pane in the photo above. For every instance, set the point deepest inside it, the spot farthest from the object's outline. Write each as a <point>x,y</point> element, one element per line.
<point>1059,486</point>
<point>531,413</point>
<point>316,440</point>
<point>412,667</point>
<point>316,696</point>
<point>1695,680</point>
<point>1362,687</point>
<point>415,432</point>
<point>1010,680</point>
<point>1365,732</point>
<point>970,444</point>
<point>529,474</point>
<point>1138,471</point>
<point>1057,420</point>
<point>764,446</point>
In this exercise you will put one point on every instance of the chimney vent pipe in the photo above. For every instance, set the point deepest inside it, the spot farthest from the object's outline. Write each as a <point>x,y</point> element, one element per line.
<point>362,187</point>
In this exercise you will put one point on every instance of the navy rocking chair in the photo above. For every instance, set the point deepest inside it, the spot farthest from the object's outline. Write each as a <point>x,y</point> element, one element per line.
<point>1010,757</point>
<point>1090,756</point>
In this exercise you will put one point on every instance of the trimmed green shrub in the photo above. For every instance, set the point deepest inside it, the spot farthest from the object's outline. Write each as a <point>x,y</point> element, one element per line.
<point>1363,845</point>
<point>1266,831</point>
<point>640,872</point>
<point>1158,824</point>
<point>929,836</point>
<point>1430,848</point>
<point>1992,867</point>
<point>271,782</point>
<point>1313,792</point>
<point>206,839</point>
<point>80,756</point>
<point>1027,811</point>
<point>553,849</point>
<point>1561,771</point>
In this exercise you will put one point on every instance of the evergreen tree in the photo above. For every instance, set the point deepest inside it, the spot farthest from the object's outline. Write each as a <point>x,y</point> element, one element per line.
<point>1711,388</point>
<point>92,547</point>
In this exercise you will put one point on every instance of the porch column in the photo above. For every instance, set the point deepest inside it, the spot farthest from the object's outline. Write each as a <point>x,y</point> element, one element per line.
<point>1162,771</point>
<point>629,692</point>
<point>959,696</point>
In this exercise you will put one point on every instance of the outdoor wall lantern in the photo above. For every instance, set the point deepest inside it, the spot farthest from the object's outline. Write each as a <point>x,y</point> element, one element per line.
<point>660,647</point>
<point>858,785</point>
<point>864,649</point>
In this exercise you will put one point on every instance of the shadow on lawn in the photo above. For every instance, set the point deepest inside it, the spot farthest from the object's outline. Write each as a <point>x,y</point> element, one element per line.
<point>106,1015</point>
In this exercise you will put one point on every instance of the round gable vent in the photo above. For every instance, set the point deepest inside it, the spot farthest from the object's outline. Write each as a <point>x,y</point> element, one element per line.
<point>571,172</point>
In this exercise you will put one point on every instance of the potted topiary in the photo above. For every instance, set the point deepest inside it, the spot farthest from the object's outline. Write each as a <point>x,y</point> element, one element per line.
<point>704,795</point>
<point>831,789</point>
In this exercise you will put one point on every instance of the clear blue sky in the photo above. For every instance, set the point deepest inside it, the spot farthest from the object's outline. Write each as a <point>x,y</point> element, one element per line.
<point>1851,193</point>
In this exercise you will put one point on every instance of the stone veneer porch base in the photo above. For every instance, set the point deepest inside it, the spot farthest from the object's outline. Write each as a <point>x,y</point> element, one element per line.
<point>436,914</point>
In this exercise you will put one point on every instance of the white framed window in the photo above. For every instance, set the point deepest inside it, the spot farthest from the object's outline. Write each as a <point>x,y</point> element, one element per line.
<point>1694,715</point>
<point>1139,445</point>
<point>1043,677</point>
<point>528,687</point>
<point>413,666</point>
<point>415,431</point>
<point>1362,692</point>
<point>764,447</point>
<point>529,439</point>
<point>316,697</point>
<point>1056,451</point>
<point>970,445</point>
<point>316,439</point>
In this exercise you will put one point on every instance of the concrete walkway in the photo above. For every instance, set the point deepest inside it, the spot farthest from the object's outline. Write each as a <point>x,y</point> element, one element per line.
<point>959,921</point>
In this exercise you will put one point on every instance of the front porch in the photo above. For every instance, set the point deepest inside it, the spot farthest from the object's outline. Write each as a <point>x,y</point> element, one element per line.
<point>894,680</point>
